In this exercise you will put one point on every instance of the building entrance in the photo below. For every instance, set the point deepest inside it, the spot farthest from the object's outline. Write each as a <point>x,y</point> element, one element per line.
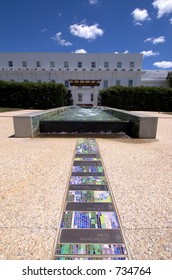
<point>84,92</point>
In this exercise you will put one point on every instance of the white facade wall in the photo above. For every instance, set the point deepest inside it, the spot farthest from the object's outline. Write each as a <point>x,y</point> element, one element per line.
<point>110,69</point>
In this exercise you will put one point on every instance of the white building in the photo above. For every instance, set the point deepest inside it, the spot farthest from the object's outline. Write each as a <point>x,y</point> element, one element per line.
<point>83,74</point>
<point>155,78</point>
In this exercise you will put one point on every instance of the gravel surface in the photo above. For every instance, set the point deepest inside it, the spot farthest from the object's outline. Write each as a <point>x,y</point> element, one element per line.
<point>34,177</point>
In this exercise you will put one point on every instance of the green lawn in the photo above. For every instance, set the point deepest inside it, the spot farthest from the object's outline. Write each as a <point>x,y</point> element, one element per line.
<point>8,109</point>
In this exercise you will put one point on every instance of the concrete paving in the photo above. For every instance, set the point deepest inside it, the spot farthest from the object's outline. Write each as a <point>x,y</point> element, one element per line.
<point>34,178</point>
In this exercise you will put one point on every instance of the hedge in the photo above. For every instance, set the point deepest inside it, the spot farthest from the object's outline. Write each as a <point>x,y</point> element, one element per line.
<point>34,95</point>
<point>137,98</point>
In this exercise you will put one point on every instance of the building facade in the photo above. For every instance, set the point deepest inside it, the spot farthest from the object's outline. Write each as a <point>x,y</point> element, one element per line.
<point>155,78</point>
<point>83,74</point>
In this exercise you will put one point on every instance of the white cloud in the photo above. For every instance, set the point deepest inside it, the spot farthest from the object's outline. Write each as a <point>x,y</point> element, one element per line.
<point>149,53</point>
<point>155,41</point>
<point>93,2</point>
<point>44,30</point>
<point>80,51</point>
<point>126,51</point>
<point>163,64</point>
<point>138,23</point>
<point>87,32</point>
<point>61,42</point>
<point>163,6</point>
<point>140,16</point>
<point>170,20</point>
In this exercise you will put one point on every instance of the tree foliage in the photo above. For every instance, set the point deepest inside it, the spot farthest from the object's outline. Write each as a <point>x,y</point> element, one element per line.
<point>137,98</point>
<point>34,95</point>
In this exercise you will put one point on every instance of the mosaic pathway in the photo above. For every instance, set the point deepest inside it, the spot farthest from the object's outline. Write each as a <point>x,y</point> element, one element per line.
<point>90,228</point>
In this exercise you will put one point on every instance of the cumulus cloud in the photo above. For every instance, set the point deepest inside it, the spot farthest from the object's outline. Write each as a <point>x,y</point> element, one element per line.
<point>163,64</point>
<point>126,51</point>
<point>155,41</point>
<point>140,15</point>
<point>93,2</point>
<point>149,53</point>
<point>80,51</point>
<point>82,30</point>
<point>61,42</point>
<point>163,7</point>
<point>171,20</point>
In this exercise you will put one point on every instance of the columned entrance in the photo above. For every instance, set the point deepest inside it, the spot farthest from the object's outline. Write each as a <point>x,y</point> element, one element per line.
<point>84,92</point>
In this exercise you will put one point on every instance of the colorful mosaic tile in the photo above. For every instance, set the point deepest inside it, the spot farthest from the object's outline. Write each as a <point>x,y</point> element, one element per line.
<point>103,220</point>
<point>90,228</point>
<point>86,158</point>
<point>89,196</point>
<point>73,258</point>
<point>90,180</point>
<point>90,249</point>
<point>87,169</point>
<point>86,146</point>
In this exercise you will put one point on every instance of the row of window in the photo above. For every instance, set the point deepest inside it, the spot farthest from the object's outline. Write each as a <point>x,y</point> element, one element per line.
<point>66,64</point>
<point>105,83</point>
<point>118,83</point>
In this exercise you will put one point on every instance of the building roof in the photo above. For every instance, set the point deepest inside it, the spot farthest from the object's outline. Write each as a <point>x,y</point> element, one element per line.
<point>155,75</point>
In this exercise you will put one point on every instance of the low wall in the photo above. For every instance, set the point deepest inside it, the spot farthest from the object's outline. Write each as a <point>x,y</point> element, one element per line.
<point>28,125</point>
<point>142,125</point>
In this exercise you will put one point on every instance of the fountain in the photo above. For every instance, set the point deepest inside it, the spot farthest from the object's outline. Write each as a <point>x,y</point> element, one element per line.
<point>76,121</point>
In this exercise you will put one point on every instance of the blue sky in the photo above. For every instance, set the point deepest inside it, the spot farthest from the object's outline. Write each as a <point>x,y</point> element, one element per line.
<point>103,26</point>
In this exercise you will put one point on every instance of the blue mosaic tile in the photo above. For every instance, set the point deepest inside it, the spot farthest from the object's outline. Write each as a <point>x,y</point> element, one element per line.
<point>91,169</point>
<point>92,220</point>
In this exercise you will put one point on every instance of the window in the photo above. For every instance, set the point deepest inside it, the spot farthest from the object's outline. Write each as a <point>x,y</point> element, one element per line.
<point>119,64</point>
<point>10,63</point>
<point>53,81</point>
<point>66,64</point>
<point>39,81</point>
<point>118,83</point>
<point>132,64</point>
<point>130,83</point>
<point>26,81</point>
<point>52,64</point>
<point>80,97</point>
<point>105,83</point>
<point>66,83</point>
<point>79,64</point>
<point>93,64</point>
<point>38,63</point>
<point>106,64</point>
<point>92,97</point>
<point>24,63</point>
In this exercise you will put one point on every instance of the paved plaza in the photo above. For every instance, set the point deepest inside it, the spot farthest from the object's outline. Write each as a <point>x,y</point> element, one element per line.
<point>35,173</point>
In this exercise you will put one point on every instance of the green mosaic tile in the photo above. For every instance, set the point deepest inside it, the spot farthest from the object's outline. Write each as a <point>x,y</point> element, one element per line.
<point>90,249</point>
<point>89,196</point>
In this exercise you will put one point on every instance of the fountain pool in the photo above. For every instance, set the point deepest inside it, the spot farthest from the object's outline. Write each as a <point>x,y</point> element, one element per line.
<point>84,120</point>
<point>101,121</point>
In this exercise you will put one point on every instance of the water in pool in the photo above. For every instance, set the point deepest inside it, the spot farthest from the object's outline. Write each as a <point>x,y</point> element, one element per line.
<point>88,114</point>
